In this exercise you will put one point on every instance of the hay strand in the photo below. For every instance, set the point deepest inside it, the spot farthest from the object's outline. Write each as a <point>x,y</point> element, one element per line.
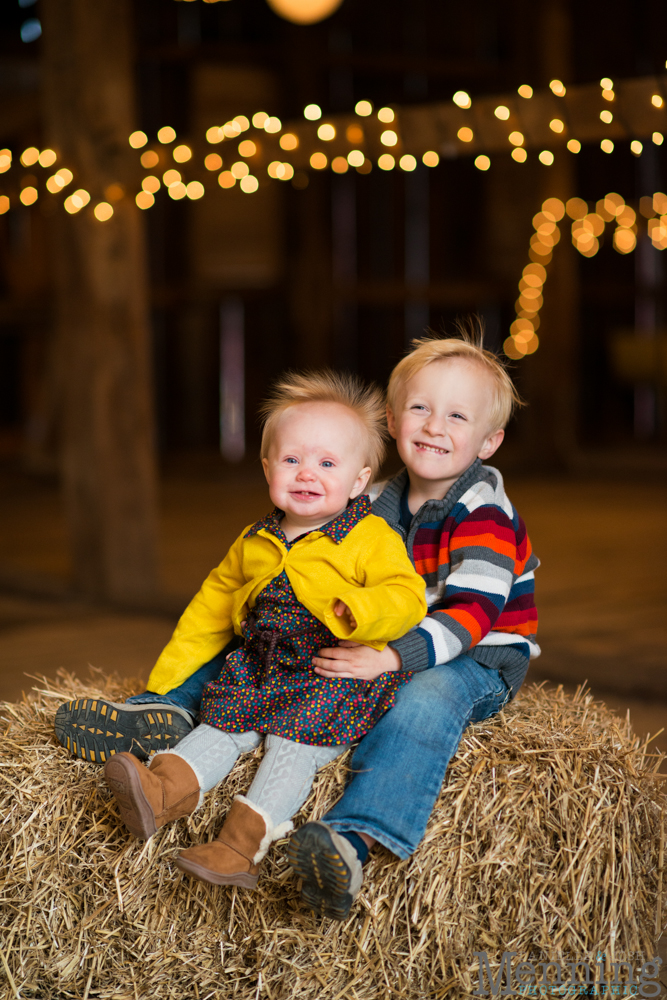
<point>548,841</point>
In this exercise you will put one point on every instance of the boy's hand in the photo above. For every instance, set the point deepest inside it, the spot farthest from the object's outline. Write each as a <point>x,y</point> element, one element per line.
<point>341,610</point>
<point>350,659</point>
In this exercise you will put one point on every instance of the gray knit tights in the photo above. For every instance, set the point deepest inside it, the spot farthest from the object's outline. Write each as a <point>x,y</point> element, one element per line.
<point>284,778</point>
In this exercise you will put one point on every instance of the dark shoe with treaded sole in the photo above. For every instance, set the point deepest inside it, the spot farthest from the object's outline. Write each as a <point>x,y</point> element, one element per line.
<point>330,869</point>
<point>94,729</point>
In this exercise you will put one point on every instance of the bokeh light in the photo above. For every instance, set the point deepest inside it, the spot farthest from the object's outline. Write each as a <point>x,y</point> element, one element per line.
<point>318,161</point>
<point>289,141</point>
<point>430,158</point>
<point>182,154</point>
<point>525,91</point>
<point>326,132</point>
<point>213,161</point>
<point>166,134</point>
<point>482,162</point>
<point>312,112</point>
<point>103,211</point>
<point>462,99</point>
<point>386,162</point>
<point>138,139</point>
<point>364,108</point>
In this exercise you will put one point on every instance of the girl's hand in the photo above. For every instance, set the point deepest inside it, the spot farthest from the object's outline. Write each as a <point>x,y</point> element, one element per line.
<point>350,659</point>
<point>342,610</point>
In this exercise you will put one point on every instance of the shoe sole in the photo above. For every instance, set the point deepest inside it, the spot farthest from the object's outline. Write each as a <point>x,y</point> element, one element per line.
<point>135,811</point>
<point>326,876</point>
<point>94,730</point>
<point>243,879</point>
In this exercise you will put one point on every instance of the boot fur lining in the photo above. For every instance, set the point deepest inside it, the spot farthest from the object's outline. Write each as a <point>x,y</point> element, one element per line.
<point>272,832</point>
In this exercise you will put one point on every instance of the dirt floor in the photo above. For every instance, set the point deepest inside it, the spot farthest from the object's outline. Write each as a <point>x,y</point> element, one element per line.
<point>601,587</point>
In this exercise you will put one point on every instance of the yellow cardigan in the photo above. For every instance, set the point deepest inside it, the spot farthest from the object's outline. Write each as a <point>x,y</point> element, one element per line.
<point>368,569</point>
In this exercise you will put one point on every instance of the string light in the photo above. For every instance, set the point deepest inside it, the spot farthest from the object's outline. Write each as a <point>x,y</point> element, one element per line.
<point>166,134</point>
<point>354,134</point>
<point>103,211</point>
<point>29,156</point>
<point>5,204</point>
<point>249,184</point>
<point>587,230</point>
<point>28,195</point>
<point>152,184</point>
<point>144,200</point>
<point>461,99</point>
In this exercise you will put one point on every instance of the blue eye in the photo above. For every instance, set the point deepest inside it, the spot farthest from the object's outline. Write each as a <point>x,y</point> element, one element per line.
<point>327,463</point>
<point>292,460</point>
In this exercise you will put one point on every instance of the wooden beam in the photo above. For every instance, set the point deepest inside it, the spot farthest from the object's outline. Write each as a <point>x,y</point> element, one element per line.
<point>103,334</point>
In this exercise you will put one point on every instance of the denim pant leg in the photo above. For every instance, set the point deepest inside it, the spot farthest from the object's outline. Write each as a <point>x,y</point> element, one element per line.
<point>188,695</point>
<point>398,768</point>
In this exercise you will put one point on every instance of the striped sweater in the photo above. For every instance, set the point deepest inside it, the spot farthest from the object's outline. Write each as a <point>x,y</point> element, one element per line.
<point>473,551</point>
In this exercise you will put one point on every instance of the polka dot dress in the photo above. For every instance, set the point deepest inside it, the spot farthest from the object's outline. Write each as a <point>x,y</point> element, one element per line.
<point>270,685</point>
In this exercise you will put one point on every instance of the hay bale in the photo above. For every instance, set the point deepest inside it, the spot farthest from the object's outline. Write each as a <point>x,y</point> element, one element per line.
<point>547,841</point>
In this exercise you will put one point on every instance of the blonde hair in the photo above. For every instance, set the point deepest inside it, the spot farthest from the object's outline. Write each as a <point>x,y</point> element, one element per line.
<point>468,345</point>
<point>326,386</point>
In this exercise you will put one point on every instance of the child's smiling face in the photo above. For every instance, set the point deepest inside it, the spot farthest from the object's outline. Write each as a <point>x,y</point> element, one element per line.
<point>442,423</point>
<point>315,463</point>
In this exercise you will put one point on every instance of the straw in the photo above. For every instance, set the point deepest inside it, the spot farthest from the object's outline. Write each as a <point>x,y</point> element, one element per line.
<point>547,841</point>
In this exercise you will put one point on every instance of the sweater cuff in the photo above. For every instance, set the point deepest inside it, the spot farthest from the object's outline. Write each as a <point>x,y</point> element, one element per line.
<point>413,651</point>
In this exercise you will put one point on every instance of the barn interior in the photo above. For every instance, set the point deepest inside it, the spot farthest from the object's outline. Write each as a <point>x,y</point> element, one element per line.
<point>177,227</point>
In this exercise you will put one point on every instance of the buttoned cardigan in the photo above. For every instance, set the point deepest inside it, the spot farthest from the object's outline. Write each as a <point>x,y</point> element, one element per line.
<point>369,570</point>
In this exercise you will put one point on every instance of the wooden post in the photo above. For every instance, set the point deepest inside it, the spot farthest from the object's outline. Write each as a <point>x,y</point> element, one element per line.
<point>103,333</point>
<point>550,376</point>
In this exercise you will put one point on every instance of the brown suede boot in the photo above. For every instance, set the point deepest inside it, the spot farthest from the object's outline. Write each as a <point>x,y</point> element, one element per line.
<point>234,856</point>
<point>150,797</point>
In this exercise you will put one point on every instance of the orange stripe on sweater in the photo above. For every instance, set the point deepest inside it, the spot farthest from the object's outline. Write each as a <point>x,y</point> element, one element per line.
<point>488,541</point>
<point>468,622</point>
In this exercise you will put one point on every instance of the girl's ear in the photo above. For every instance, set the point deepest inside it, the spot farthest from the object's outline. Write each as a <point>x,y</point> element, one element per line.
<point>491,445</point>
<point>391,421</point>
<point>361,482</point>
<point>265,466</point>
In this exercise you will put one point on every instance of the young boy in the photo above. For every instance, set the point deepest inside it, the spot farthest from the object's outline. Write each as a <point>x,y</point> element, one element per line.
<point>449,401</point>
<point>448,404</point>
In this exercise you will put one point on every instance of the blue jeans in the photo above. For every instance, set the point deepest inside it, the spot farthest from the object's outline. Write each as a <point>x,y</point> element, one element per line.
<point>398,768</point>
<point>188,695</point>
